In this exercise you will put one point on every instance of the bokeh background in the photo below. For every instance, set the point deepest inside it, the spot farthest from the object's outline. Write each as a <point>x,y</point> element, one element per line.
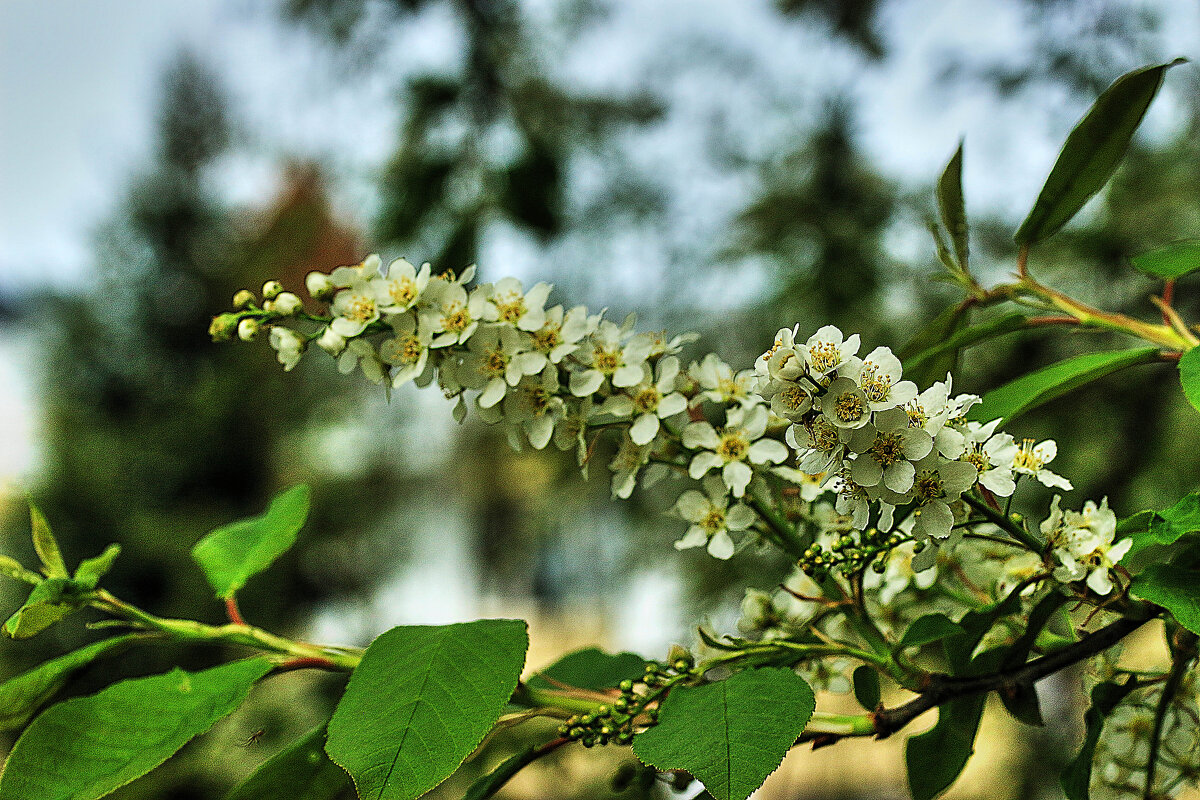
<point>723,166</point>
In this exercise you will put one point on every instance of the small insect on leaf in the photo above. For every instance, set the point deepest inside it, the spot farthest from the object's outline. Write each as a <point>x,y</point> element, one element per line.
<point>254,738</point>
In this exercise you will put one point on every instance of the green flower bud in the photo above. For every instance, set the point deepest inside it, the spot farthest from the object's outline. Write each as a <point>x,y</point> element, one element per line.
<point>223,327</point>
<point>243,299</point>
<point>247,329</point>
<point>272,289</point>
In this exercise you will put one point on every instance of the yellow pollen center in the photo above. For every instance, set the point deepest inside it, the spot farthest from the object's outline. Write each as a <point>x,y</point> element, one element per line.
<point>849,407</point>
<point>875,386</point>
<point>714,521</point>
<point>824,436</point>
<point>888,449</point>
<point>1025,459</point>
<point>546,338</point>
<point>403,291</point>
<point>733,447</point>
<point>606,361</point>
<point>647,400</point>
<point>929,486</point>
<point>824,356</point>
<point>978,459</point>
<point>511,308</point>
<point>792,397</point>
<point>361,309</point>
<point>495,363</point>
<point>456,319</point>
<point>917,418</point>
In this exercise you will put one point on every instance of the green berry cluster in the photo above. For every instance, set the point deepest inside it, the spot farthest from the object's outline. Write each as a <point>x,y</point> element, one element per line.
<point>851,552</point>
<point>635,705</point>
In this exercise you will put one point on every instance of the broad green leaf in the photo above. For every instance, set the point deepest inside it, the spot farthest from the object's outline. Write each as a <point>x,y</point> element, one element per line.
<point>234,553</point>
<point>590,668</point>
<point>955,341</point>
<point>937,757</point>
<point>22,695</point>
<point>45,545</point>
<point>935,366</point>
<point>866,687</point>
<point>48,602</point>
<point>300,772</point>
<point>731,734</point>
<point>1018,652</point>
<point>1092,151</point>
<point>91,570</point>
<point>1078,774</point>
<point>420,701</point>
<point>487,785</point>
<point>1189,376</point>
<point>1152,531</point>
<point>1172,261</point>
<point>930,628</point>
<point>1030,391</point>
<point>952,207</point>
<point>1173,588</point>
<point>11,568</point>
<point>1021,701</point>
<point>975,625</point>
<point>86,747</point>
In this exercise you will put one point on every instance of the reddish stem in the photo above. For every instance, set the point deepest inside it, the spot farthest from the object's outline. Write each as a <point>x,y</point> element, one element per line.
<point>307,663</point>
<point>1053,320</point>
<point>1023,261</point>
<point>231,611</point>
<point>1168,296</point>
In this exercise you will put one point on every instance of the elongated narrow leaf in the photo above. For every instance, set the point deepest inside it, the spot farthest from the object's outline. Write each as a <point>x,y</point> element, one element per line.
<point>300,772</point>
<point>1078,774</point>
<point>420,701</point>
<point>1172,261</point>
<point>11,568</point>
<point>937,757</point>
<point>952,207</point>
<point>1092,151</point>
<point>1030,391</point>
<point>589,668</point>
<point>86,747</point>
<point>1189,376</point>
<point>234,553</point>
<point>22,695</point>
<point>930,628</point>
<point>732,734</point>
<point>46,546</point>
<point>48,602</point>
<point>941,328</point>
<point>957,340</point>
<point>91,570</point>
<point>487,785</point>
<point>1175,589</point>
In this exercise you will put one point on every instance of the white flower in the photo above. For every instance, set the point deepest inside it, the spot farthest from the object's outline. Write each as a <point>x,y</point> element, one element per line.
<point>361,352</point>
<point>284,303</point>
<point>719,384</point>
<point>878,375</point>
<point>811,485</point>
<point>607,357</point>
<point>898,574</point>
<point>648,401</point>
<point>343,277</point>
<point>402,287</point>
<point>825,351</point>
<point>931,410</point>
<point>818,444</point>
<point>887,450</point>
<point>937,484</point>
<point>1031,459</point>
<point>790,400</point>
<point>1083,543</point>
<point>526,311</point>
<point>289,344</point>
<point>319,285</point>
<point>357,305</point>
<point>407,351</point>
<point>784,360</point>
<point>451,314</point>
<point>738,442</point>
<point>558,337</point>
<point>489,363</point>
<point>993,455</point>
<point>331,342</point>
<point>712,519</point>
<point>534,405</point>
<point>845,405</point>
<point>572,429</point>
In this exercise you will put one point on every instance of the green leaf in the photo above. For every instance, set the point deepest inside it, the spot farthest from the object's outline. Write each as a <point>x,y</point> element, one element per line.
<point>1170,262</point>
<point>1021,701</point>
<point>1189,376</point>
<point>91,570</point>
<point>731,734</point>
<point>866,687</point>
<point>1173,588</point>
<point>1151,531</point>
<point>48,602</point>
<point>937,757</point>
<point>420,701</point>
<point>1030,391</point>
<point>975,625</point>
<point>11,568</point>
<point>21,696</point>
<point>590,668</point>
<point>934,367</point>
<point>86,747</point>
<point>300,772</point>
<point>487,785</point>
<point>952,207</point>
<point>234,553</point>
<point>1078,774</point>
<point>45,545</point>
<point>1092,151</point>
<point>955,341</point>
<point>930,628</point>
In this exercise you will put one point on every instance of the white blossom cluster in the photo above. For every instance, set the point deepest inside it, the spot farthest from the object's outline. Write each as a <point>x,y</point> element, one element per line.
<point>812,415</point>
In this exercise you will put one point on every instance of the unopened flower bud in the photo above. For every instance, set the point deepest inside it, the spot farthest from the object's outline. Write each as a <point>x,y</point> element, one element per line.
<point>285,303</point>
<point>319,285</point>
<point>247,329</point>
<point>272,289</point>
<point>223,326</point>
<point>331,342</point>
<point>243,299</point>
